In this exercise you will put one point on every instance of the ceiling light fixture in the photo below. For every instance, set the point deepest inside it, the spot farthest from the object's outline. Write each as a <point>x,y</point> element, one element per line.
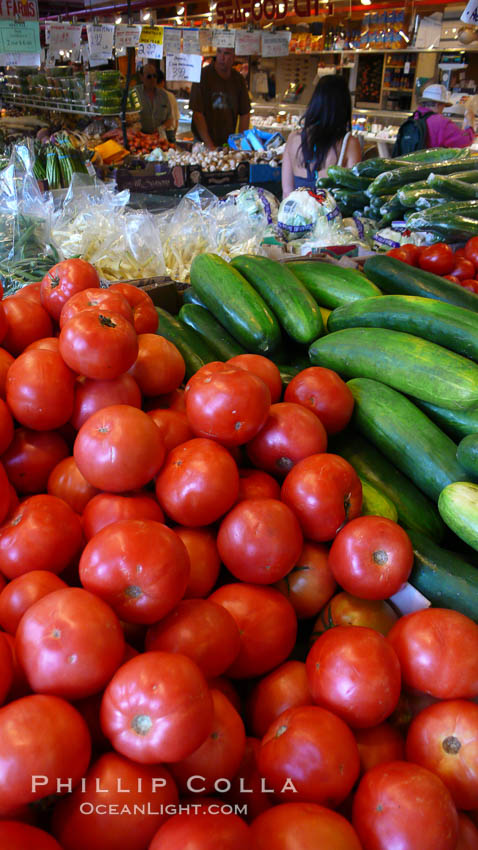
<point>118,20</point>
<point>181,10</point>
<point>145,16</point>
<point>405,37</point>
<point>366,2</point>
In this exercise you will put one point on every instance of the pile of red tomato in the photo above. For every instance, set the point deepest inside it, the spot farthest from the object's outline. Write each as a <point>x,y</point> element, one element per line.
<point>197,650</point>
<point>459,266</point>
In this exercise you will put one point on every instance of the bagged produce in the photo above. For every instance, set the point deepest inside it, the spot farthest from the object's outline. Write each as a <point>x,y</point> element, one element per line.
<point>257,202</point>
<point>305,213</point>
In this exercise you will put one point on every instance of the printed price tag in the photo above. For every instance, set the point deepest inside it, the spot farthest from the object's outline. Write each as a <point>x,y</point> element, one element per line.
<point>224,38</point>
<point>172,40</point>
<point>191,41</point>
<point>100,40</point>
<point>183,67</point>
<point>248,43</point>
<point>127,36</point>
<point>275,43</point>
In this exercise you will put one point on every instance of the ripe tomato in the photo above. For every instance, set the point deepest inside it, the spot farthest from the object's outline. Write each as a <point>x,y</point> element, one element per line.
<point>198,483</point>
<point>259,540</point>
<point>379,744</point>
<point>26,323</point>
<point>43,737</point>
<point>67,482</point>
<point>6,667</point>
<point>43,533</point>
<point>463,269</point>
<point>444,738</point>
<point>200,629</point>
<point>315,751</point>
<point>385,809</point>
<point>106,508</point>
<point>263,368</point>
<point>64,280</point>
<point>219,756</point>
<point>211,829</point>
<point>267,625</point>
<point>467,833</point>
<point>303,826</point>
<point>6,361</point>
<point>3,323</point>
<point>40,390</point>
<point>30,290</point>
<point>99,299</point>
<point>355,673</point>
<point>173,425</point>
<point>428,644</point>
<point>438,259</point>
<point>19,836</point>
<point>144,311</point>
<point>139,567</point>
<point>137,795</point>
<point>371,557</point>
<point>290,433</point>
<point>8,495</point>
<point>119,448</point>
<point>98,345</point>
<point>472,285</point>
<point>226,404</point>
<point>347,610</point>
<point>69,643</point>
<point>6,427</point>
<point>451,278</point>
<point>471,251</point>
<point>412,251</point>
<point>325,393</point>
<point>310,584</point>
<point>159,367</point>
<point>92,395</point>
<point>256,484</point>
<point>324,491</point>
<point>205,563</point>
<point>400,254</point>
<point>22,592</point>
<point>247,785</point>
<point>157,707</point>
<point>286,687</point>
<point>31,457</point>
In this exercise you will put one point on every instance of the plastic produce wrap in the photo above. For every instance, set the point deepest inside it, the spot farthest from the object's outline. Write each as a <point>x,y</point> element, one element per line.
<point>310,214</point>
<point>256,203</point>
<point>389,237</point>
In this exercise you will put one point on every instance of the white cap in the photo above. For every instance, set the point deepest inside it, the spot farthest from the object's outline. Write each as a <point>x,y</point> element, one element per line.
<point>437,93</point>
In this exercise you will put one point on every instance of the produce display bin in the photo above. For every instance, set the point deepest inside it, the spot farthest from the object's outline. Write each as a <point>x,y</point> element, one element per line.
<point>218,178</point>
<point>151,179</point>
<point>262,172</point>
<point>163,291</point>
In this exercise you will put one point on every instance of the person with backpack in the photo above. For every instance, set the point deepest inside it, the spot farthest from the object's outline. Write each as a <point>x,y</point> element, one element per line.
<point>428,127</point>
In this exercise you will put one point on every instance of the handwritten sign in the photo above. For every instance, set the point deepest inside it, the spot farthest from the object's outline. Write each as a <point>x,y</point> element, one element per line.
<point>64,36</point>
<point>191,41</point>
<point>100,40</point>
<point>183,67</point>
<point>470,14</point>
<point>223,38</point>
<point>275,43</point>
<point>19,9</point>
<point>172,40</point>
<point>205,40</point>
<point>151,43</point>
<point>126,36</point>
<point>248,43</point>
<point>23,37</point>
<point>20,60</point>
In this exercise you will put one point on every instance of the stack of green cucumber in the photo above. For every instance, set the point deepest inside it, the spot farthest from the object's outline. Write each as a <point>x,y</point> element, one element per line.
<point>411,362</point>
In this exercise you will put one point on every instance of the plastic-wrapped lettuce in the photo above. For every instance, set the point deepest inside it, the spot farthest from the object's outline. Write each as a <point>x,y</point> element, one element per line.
<point>257,203</point>
<point>309,214</point>
<point>389,237</point>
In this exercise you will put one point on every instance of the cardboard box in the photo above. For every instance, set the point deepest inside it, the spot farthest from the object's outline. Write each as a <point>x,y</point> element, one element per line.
<point>154,179</point>
<point>218,178</point>
<point>163,291</point>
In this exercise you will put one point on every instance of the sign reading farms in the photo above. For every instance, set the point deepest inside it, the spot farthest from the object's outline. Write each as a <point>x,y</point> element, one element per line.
<point>234,11</point>
<point>23,8</point>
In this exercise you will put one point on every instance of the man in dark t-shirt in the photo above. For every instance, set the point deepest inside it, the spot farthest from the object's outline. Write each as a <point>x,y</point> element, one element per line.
<point>218,99</point>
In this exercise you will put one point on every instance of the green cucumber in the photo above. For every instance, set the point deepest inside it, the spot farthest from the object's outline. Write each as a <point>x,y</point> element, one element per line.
<point>406,436</point>
<point>324,183</point>
<point>290,300</point>
<point>414,509</point>
<point>235,303</point>
<point>447,325</point>
<point>390,211</point>
<point>456,423</point>
<point>409,195</point>
<point>403,361</point>
<point>435,155</point>
<point>452,227</point>
<point>204,323</point>
<point>451,208</point>
<point>346,178</point>
<point>392,180</point>
<point>195,351</point>
<point>443,577</point>
<point>395,277</point>
<point>376,503</point>
<point>349,201</point>
<point>467,454</point>
<point>450,187</point>
<point>429,200</point>
<point>190,297</point>
<point>458,506</point>
<point>373,167</point>
<point>332,285</point>
<point>287,372</point>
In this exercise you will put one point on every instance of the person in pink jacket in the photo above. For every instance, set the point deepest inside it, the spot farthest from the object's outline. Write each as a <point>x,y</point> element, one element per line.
<point>441,131</point>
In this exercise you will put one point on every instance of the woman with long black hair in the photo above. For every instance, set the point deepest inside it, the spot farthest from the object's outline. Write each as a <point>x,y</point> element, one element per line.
<point>325,138</point>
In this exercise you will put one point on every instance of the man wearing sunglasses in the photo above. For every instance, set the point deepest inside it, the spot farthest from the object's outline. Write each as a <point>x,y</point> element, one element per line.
<point>155,106</point>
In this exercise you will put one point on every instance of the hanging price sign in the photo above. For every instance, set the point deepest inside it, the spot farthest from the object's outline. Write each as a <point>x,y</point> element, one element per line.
<point>127,36</point>
<point>64,36</point>
<point>100,40</point>
<point>184,68</point>
<point>151,43</point>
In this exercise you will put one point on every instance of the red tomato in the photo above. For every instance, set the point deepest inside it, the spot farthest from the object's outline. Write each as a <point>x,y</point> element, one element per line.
<point>263,368</point>
<point>144,311</point>
<point>303,826</point>
<point>226,404</point>
<point>157,707</point>
<point>315,751</point>
<point>43,533</point>
<point>347,610</point>
<point>220,683</point>
<point>30,290</point>
<point>259,540</point>
<point>3,322</point>
<point>219,756</point>
<point>6,668</point>
<point>256,484</point>
<point>22,592</point>
<point>44,746</point>
<point>100,299</point>
<point>173,425</point>
<point>205,563</point>
<point>438,259</point>
<point>6,427</point>
<point>428,644</point>
<point>451,278</point>
<point>64,280</point>
<point>460,252</point>
<point>310,584</point>
<point>49,342</point>
<point>400,254</point>
<point>22,836</point>
<point>40,390</point>
<point>92,395</point>
<point>412,251</point>
<point>198,483</point>
<point>444,738</point>
<point>69,643</point>
<point>172,401</point>
<point>393,790</point>
<point>137,794</point>
<point>6,361</point>
<point>267,625</point>
<point>286,687</point>
<point>371,557</point>
<point>200,629</point>
<point>472,285</point>
<point>290,433</point>
<point>467,833</point>
<point>119,448</point>
<point>324,491</point>
<point>325,393</point>
<point>106,508</point>
<point>463,269</point>
<point>67,482</point>
<point>31,457</point>
<point>8,495</point>
<point>159,367</point>
<point>471,251</point>
<point>26,321</point>
<point>210,829</point>
<point>379,744</point>
<point>98,345</point>
<point>355,673</point>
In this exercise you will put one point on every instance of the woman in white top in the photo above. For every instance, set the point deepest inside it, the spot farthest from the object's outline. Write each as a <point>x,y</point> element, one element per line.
<point>325,138</point>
